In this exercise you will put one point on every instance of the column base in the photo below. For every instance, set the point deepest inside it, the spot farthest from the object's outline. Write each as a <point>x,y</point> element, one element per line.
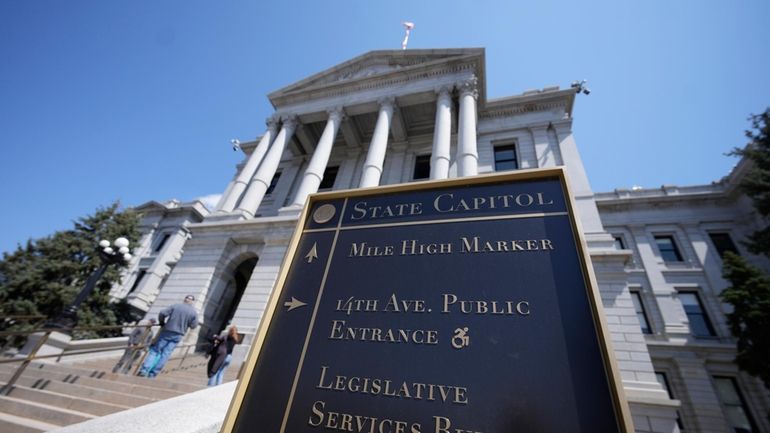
<point>291,210</point>
<point>56,344</point>
<point>229,216</point>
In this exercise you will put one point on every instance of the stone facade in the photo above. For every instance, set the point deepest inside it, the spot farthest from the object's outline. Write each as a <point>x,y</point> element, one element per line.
<point>693,351</point>
<point>389,117</point>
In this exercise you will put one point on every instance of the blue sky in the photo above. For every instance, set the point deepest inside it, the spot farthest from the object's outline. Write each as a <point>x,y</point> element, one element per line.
<point>137,100</point>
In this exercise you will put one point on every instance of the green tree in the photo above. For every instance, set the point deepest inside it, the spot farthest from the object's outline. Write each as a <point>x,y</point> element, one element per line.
<point>749,291</point>
<point>45,275</point>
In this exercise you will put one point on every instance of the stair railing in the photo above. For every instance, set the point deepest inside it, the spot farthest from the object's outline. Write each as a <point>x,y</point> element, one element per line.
<point>37,324</point>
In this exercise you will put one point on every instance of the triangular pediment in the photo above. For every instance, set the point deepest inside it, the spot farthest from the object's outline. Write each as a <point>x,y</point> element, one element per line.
<point>379,64</point>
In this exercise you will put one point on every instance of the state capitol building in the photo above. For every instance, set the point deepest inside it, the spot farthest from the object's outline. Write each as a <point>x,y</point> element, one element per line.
<point>391,117</point>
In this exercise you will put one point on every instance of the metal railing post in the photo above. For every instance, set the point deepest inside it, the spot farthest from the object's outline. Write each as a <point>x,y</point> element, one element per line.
<point>186,351</point>
<point>5,390</point>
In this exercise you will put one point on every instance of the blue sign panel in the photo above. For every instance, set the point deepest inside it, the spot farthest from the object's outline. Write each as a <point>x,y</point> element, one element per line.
<point>434,308</point>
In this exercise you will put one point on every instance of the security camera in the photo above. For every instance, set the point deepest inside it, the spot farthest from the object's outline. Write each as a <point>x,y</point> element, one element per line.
<point>580,86</point>
<point>236,144</point>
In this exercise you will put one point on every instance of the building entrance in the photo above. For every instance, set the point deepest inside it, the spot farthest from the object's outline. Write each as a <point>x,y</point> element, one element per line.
<point>222,304</point>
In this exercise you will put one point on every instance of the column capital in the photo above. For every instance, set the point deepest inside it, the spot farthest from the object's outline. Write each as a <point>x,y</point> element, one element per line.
<point>562,124</point>
<point>469,86</point>
<point>290,121</point>
<point>388,102</point>
<point>538,127</point>
<point>444,92</point>
<point>336,113</point>
<point>272,123</point>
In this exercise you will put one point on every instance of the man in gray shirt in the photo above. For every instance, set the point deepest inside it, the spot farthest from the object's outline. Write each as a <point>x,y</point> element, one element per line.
<point>174,321</point>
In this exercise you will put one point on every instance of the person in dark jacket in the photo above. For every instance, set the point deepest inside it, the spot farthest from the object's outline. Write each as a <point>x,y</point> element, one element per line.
<point>221,354</point>
<point>139,339</point>
<point>174,321</point>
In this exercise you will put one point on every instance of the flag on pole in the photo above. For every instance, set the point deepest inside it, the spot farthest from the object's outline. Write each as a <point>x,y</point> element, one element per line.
<point>407,27</point>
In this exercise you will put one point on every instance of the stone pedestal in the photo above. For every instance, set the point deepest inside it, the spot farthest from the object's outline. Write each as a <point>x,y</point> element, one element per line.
<point>55,344</point>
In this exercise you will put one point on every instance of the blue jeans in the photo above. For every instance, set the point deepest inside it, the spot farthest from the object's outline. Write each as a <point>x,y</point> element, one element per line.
<point>217,378</point>
<point>159,353</point>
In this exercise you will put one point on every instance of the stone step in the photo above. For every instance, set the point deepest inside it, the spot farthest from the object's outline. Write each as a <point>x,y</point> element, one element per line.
<point>76,390</point>
<point>62,371</point>
<point>147,390</point>
<point>175,373</point>
<point>174,363</point>
<point>16,424</point>
<point>42,412</point>
<point>188,374</point>
<point>124,397</point>
<point>81,404</point>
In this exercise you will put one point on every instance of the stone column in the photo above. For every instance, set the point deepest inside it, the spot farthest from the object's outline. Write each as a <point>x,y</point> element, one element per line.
<point>467,155</point>
<point>241,182</point>
<point>578,181</point>
<point>261,181</point>
<point>439,160</point>
<point>315,169</point>
<point>546,154</point>
<point>376,155</point>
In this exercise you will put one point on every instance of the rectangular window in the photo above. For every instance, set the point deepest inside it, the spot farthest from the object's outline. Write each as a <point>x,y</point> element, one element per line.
<point>668,249</point>
<point>505,158</point>
<point>162,242</point>
<point>138,280</point>
<point>700,325</point>
<point>273,183</point>
<point>723,243</point>
<point>663,381</point>
<point>619,244</point>
<point>421,167</point>
<point>738,415</point>
<point>330,175</point>
<point>641,314</point>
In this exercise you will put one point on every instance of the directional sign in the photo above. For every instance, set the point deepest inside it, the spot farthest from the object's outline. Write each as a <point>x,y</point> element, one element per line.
<point>313,254</point>
<point>458,306</point>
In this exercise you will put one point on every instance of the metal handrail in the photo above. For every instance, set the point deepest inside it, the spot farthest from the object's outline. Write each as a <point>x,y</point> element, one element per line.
<point>47,331</point>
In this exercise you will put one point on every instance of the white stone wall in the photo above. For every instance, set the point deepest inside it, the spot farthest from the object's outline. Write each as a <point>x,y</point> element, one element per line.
<point>689,362</point>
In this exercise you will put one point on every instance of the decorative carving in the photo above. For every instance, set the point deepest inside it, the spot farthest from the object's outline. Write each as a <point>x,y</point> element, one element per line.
<point>392,81</point>
<point>522,108</point>
<point>272,123</point>
<point>444,92</point>
<point>387,101</point>
<point>337,113</point>
<point>469,87</point>
<point>290,121</point>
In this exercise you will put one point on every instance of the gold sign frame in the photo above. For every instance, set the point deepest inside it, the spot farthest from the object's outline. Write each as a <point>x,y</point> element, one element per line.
<point>619,400</point>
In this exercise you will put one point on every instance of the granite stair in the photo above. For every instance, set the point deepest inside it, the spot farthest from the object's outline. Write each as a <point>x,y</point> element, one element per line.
<point>51,395</point>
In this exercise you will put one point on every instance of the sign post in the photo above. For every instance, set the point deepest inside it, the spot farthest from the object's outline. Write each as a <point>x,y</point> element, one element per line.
<point>466,305</point>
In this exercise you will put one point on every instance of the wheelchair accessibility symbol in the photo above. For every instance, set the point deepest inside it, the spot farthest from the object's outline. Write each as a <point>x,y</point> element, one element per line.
<point>461,338</point>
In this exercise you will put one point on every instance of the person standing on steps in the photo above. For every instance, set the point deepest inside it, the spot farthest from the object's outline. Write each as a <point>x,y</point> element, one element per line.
<point>174,321</point>
<point>221,355</point>
<point>138,341</point>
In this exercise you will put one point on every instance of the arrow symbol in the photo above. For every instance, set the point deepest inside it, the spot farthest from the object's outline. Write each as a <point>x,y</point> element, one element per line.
<point>294,303</point>
<point>313,254</point>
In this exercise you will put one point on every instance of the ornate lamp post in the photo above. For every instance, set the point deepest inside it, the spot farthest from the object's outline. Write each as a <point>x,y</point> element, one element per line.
<point>68,318</point>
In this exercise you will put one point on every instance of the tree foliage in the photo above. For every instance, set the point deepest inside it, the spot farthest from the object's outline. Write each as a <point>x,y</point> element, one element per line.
<point>44,276</point>
<point>756,184</point>
<point>750,320</point>
<point>749,292</point>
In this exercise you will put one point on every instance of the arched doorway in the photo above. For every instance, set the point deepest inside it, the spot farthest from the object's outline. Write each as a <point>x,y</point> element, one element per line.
<point>221,305</point>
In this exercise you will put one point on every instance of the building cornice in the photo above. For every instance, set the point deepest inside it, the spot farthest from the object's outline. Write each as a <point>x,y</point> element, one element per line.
<point>545,100</point>
<point>411,65</point>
